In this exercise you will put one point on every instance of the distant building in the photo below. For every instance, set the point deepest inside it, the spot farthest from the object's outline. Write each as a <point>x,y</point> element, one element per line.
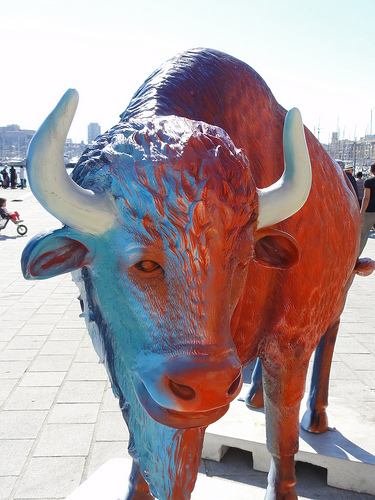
<point>360,153</point>
<point>14,141</point>
<point>73,150</point>
<point>93,130</point>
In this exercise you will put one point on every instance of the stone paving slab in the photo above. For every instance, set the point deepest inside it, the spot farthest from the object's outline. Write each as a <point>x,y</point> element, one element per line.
<point>50,477</point>
<point>51,385</point>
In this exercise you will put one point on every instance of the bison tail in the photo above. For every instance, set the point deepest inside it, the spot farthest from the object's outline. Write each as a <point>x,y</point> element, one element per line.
<point>364,267</point>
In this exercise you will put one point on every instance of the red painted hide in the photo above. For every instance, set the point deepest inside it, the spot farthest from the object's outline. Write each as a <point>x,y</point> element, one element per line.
<point>283,312</point>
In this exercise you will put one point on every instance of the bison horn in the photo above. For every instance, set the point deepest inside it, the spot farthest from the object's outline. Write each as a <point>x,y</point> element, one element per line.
<point>76,207</point>
<point>289,193</point>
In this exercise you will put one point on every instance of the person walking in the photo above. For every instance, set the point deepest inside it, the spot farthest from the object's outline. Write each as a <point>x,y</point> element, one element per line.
<point>5,175</point>
<point>368,209</point>
<point>13,177</point>
<point>22,177</point>
<point>360,186</point>
<point>349,173</point>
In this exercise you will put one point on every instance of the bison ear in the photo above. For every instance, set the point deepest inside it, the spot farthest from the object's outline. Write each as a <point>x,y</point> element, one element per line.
<point>276,249</point>
<point>52,253</point>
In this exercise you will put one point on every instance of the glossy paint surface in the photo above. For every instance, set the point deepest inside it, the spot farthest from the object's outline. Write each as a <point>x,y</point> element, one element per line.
<point>183,290</point>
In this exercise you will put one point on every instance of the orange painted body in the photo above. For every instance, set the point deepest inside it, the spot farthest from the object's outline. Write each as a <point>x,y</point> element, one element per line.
<point>285,313</point>
<point>282,313</point>
<point>291,309</point>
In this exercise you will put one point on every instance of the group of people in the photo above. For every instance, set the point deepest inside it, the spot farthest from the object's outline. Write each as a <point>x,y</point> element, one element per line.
<point>10,179</point>
<point>365,190</point>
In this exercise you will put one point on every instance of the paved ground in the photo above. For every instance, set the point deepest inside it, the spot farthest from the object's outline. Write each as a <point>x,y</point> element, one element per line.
<point>59,421</point>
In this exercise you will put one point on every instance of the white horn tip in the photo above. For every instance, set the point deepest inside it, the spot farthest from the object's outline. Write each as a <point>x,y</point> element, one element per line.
<point>69,102</point>
<point>286,196</point>
<point>293,118</point>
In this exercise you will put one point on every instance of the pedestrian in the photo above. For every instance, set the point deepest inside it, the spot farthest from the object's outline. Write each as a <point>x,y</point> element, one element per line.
<point>13,177</point>
<point>360,186</point>
<point>5,214</point>
<point>5,175</point>
<point>22,177</point>
<point>368,209</point>
<point>349,173</point>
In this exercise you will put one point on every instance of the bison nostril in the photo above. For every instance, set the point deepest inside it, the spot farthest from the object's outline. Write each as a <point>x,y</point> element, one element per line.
<point>182,391</point>
<point>233,388</point>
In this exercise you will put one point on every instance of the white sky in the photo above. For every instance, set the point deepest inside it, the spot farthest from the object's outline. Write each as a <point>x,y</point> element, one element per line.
<point>317,55</point>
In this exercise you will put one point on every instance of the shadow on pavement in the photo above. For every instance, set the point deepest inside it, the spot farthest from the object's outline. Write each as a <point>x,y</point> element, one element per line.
<point>237,465</point>
<point>342,445</point>
<point>5,237</point>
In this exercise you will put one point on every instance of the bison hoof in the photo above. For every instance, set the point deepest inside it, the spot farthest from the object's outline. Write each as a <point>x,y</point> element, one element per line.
<point>315,421</point>
<point>272,494</point>
<point>254,398</point>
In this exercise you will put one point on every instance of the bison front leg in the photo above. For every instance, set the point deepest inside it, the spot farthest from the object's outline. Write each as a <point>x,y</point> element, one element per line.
<point>315,418</point>
<point>138,488</point>
<point>281,479</point>
<point>283,392</point>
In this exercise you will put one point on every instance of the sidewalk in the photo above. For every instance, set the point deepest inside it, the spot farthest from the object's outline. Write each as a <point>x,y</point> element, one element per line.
<point>59,421</point>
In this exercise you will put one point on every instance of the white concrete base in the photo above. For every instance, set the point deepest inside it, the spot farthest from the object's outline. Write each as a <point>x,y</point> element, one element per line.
<point>110,482</point>
<point>347,452</point>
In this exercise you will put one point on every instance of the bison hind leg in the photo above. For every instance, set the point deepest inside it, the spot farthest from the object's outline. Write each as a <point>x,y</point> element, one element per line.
<point>254,398</point>
<point>315,421</point>
<point>315,418</point>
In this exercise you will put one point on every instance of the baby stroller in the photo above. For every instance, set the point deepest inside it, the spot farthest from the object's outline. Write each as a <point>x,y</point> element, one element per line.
<point>21,228</point>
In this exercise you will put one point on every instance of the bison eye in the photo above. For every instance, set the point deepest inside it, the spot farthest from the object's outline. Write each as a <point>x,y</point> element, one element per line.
<point>147,266</point>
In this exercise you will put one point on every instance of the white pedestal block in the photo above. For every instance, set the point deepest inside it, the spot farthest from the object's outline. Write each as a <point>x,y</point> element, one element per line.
<point>109,482</point>
<point>348,454</point>
<point>347,451</point>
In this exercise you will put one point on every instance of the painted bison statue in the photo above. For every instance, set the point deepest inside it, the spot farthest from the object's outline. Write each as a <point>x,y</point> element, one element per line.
<point>200,238</point>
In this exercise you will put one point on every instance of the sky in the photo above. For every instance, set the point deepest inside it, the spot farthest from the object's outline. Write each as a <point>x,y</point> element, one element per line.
<point>317,55</point>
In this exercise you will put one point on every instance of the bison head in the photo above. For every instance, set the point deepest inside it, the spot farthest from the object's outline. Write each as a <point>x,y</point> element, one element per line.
<point>163,217</point>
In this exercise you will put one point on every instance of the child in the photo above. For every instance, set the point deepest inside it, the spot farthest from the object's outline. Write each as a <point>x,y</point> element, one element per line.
<point>4,212</point>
